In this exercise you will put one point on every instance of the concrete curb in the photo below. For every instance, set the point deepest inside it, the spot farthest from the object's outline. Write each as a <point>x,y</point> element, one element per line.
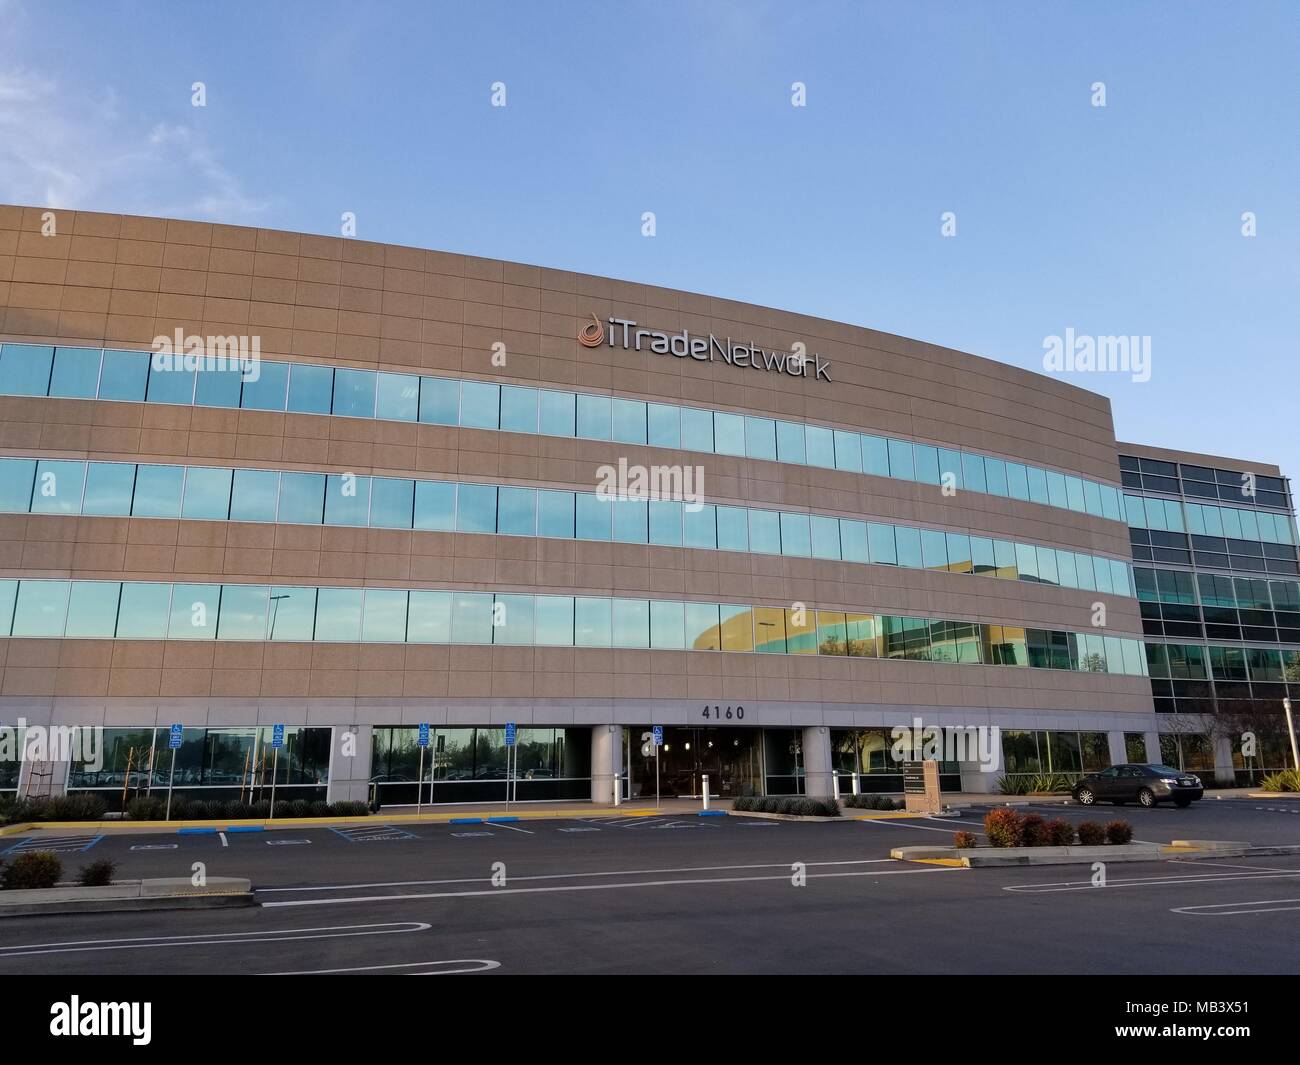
<point>165,893</point>
<point>1293,796</point>
<point>992,857</point>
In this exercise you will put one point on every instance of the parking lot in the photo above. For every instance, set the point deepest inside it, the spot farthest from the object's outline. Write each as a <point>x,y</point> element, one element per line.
<point>675,893</point>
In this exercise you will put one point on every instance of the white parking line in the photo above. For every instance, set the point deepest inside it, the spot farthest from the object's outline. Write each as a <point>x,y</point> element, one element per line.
<point>224,842</point>
<point>513,828</point>
<point>1145,881</point>
<point>1239,909</point>
<point>474,965</point>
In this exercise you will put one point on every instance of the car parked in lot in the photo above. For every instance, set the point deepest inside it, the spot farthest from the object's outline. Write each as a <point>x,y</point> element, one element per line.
<point>1145,784</point>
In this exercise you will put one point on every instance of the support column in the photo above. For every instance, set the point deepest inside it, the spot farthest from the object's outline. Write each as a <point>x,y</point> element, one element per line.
<point>1225,773</point>
<point>981,778</point>
<point>1118,749</point>
<point>606,762</point>
<point>817,761</point>
<point>350,761</point>
<point>1153,748</point>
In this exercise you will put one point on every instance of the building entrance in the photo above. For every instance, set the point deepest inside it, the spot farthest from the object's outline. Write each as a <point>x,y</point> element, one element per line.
<point>732,758</point>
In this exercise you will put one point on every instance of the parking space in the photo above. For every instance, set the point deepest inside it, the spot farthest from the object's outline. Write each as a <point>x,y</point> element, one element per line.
<point>57,844</point>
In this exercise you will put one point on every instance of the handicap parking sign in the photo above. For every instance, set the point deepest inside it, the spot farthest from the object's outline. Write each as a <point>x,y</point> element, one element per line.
<point>174,741</point>
<point>424,734</point>
<point>510,733</point>
<point>277,735</point>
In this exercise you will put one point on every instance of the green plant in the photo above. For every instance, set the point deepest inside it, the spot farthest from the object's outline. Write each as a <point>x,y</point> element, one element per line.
<point>98,873</point>
<point>146,808</point>
<point>1286,780</point>
<point>1119,832</point>
<point>871,802</point>
<point>1013,785</point>
<point>348,808</point>
<point>1003,826</point>
<point>1061,832</point>
<point>794,805</point>
<point>34,869</point>
<point>1091,834</point>
<point>964,840</point>
<point>1033,831</point>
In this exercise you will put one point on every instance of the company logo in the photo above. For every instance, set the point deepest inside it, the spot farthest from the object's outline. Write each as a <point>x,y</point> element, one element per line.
<point>592,336</point>
<point>624,333</point>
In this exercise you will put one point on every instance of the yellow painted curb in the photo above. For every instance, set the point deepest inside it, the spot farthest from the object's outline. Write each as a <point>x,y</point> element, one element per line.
<point>896,815</point>
<point>951,863</point>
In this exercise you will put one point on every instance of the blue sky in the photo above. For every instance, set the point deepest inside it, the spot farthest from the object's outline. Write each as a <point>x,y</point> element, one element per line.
<point>1117,220</point>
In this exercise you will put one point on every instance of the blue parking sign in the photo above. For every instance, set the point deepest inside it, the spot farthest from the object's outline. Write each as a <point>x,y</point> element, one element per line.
<point>657,734</point>
<point>510,733</point>
<point>277,735</point>
<point>424,734</point>
<point>174,740</point>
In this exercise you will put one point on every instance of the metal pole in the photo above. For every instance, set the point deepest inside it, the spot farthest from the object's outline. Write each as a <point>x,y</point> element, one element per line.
<point>419,785</point>
<point>705,790</point>
<point>1290,727</point>
<point>656,749</point>
<point>275,766</point>
<point>171,780</point>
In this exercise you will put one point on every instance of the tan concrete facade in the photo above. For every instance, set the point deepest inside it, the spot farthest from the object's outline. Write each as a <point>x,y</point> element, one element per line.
<point>117,282</point>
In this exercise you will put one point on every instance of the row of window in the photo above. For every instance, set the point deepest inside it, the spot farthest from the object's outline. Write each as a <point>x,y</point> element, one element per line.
<point>1198,662</point>
<point>1233,523</point>
<point>1212,552</point>
<point>130,610</point>
<point>1230,486</point>
<point>64,486</point>
<point>1219,590</point>
<point>87,373</point>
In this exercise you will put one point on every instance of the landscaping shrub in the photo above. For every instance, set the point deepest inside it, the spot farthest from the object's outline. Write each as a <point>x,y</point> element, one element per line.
<point>1061,832</point>
<point>146,808</point>
<point>351,808</point>
<point>964,840</point>
<point>1091,834</point>
<point>53,808</point>
<point>35,869</point>
<point>872,802</point>
<point>1118,832</point>
<point>795,805</point>
<point>98,873</point>
<point>1286,780</point>
<point>1017,785</point>
<point>1033,831</point>
<point>320,808</point>
<point>1004,827</point>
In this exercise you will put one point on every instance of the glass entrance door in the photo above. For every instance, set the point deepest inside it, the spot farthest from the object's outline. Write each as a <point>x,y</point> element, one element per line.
<point>730,757</point>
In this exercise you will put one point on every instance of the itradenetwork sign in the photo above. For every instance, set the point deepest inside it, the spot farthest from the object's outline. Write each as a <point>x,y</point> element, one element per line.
<point>624,333</point>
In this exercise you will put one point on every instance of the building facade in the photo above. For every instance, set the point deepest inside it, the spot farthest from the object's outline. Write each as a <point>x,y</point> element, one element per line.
<point>251,478</point>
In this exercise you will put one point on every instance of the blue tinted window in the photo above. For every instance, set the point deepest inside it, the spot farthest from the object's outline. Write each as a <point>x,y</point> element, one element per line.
<point>143,610</point>
<point>471,617</point>
<point>853,541</point>
<point>664,425</point>
<point>254,494</point>
<point>517,511</point>
<point>76,373</point>
<point>1091,498</point>
<point>950,470</point>
<point>790,442</point>
<point>439,401</point>
<point>92,610</point>
<point>1074,493</point>
<point>518,409</point>
<point>1017,481</point>
<point>1056,489</point>
<point>217,386</point>
<point>631,626</point>
<point>347,499</point>
<point>927,463</point>
<point>1026,562</point>
<point>594,418</point>
<point>733,528</point>
<point>848,451</point>
<point>995,471</point>
<point>435,505</point>
<point>311,388</point>
<point>555,514</point>
<point>592,622</point>
<point>760,438</point>
<point>512,617</point>
<point>109,486</point>
<point>480,405</point>
<point>631,521</point>
<point>765,532</point>
<point>338,614</point>
<point>476,508</point>
<point>972,472</point>
<point>170,381</point>
<point>1037,484</point>
<point>594,517</point>
<point>354,393</point>
<point>194,611</point>
<point>58,487</point>
<point>207,493</point>
<point>25,369</point>
<point>158,491</point>
<point>629,421</point>
<point>270,390</point>
<point>302,498</point>
<point>821,446</point>
<point>292,614</point>
<point>553,620</point>
<point>557,413</point>
<point>123,375</point>
<point>796,536</point>
<point>825,537</point>
<point>697,429</point>
<point>16,478</point>
<point>383,619</point>
<point>667,625</point>
<point>908,544</point>
<point>880,539</point>
<point>392,502</point>
<point>700,527</point>
<point>728,433</point>
<point>934,550</point>
<point>901,465</point>
<point>397,397</point>
<point>666,522</point>
<point>875,456</point>
<point>243,612</point>
<point>428,617</point>
<point>41,609</point>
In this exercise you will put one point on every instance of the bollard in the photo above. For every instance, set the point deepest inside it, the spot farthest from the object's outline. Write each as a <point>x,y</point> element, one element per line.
<point>835,784</point>
<point>857,783</point>
<point>618,790</point>
<point>705,789</point>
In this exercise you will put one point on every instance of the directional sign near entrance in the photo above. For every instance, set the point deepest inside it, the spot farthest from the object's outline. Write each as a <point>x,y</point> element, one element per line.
<point>510,733</point>
<point>174,740</point>
<point>424,734</point>
<point>277,735</point>
<point>658,735</point>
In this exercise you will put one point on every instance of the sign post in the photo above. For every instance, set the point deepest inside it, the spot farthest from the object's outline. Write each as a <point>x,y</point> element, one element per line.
<point>511,735</point>
<point>174,742</point>
<point>657,739</point>
<point>277,741</point>
<point>419,780</point>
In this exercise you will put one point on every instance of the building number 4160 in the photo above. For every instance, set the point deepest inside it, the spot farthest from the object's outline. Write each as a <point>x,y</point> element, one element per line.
<point>729,713</point>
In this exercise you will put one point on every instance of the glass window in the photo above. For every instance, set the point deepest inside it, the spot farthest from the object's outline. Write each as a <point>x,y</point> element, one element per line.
<point>1037,484</point>
<point>392,503</point>
<point>972,472</point>
<point>143,611</point>
<point>927,463</point>
<point>109,486</point>
<point>311,388</point>
<point>25,369</point>
<point>908,543</point>
<point>700,526</point>
<point>1017,481</point>
<point>702,628</point>
<point>243,612</point>
<point>760,438</point>
<point>1074,493</point>
<point>733,528</point>
<point>512,619</point>
<point>764,532</point>
<point>16,479</point>
<point>820,445</point>
<point>737,625</point>
<point>158,491</point>
<point>354,393</point>
<point>123,375</point>
<point>292,614</point>
<point>1067,573</point>
<point>480,405</point>
<point>631,623</point>
<point>831,635</point>
<point>595,420</point>
<point>347,499</point>
<point>554,620</point>
<point>555,514</point>
<point>383,619</point>
<point>934,549</point>
<point>518,409</point>
<point>1047,572</point>
<point>790,442</point>
<point>1027,562</point>
<point>667,625</point>
<point>92,610</point>
<point>58,486</point>
<point>666,522</point>
<point>439,401</point>
<point>270,389</point>
<point>796,534</point>
<point>664,425</point>
<point>631,521</point>
<point>769,630</point>
<point>880,540</point>
<point>950,468</point>
<point>338,615</point>
<point>995,472</point>
<point>76,373</point>
<point>207,493</point>
<point>875,455</point>
<point>397,397</point>
<point>429,617</point>
<point>254,494</point>
<point>218,386</point>
<point>594,517</point>
<point>557,413</point>
<point>1004,554</point>
<point>476,508</point>
<point>697,429</point>
<point>435,505</point>
<point>194,612</point>
<point>983,561</point>
<point>592,622</point>
<point>170,381</point>
<point>517,511</point>
<point>1056,489</point>
<point>959,553</point>
<point>728,433</point>
<point>302,498</point>
<point>848,451</point>
<point>901,464</point>
<point>853,541</point>
<point>825,537</point>
<point>42,607</point>
<point>629,421</point>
